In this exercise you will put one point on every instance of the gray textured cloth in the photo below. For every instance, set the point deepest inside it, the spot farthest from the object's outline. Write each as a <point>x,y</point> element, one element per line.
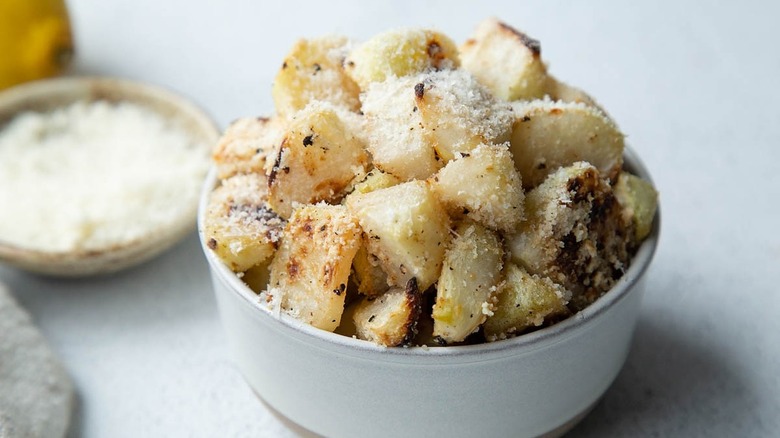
<point>36,394</point>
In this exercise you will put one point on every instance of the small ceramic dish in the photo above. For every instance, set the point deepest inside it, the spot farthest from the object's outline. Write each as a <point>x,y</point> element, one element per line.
<point>537,384</point>
<point>47,95</point>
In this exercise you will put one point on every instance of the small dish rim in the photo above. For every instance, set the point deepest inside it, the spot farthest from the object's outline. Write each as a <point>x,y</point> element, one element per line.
<point>47,94</point>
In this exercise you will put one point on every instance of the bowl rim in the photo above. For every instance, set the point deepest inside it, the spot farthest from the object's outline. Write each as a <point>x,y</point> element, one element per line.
<point>524,343</point>
<point>60,91</point>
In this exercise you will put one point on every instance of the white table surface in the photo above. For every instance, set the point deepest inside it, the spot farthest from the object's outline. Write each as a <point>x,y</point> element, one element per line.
<point>695,87</point>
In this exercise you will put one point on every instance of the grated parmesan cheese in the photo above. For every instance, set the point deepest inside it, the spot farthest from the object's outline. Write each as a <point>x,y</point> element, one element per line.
<point>93,175</point>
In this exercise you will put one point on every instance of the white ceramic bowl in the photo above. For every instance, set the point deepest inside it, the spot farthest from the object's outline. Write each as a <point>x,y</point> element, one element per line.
<point>538,384</point>
<point>49,94</point>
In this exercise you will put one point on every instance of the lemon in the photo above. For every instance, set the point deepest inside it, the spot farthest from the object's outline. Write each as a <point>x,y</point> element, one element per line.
<point>35,40</point>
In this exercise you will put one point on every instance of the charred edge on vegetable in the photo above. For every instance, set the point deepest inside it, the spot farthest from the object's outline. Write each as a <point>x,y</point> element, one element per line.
<point>433,49</point>
<point>567,259</point>
<point>606,234</point>
<point>602,206</point>
<point>292,269</point>
<point>533,45</point>
<point>414,299</point>
<point>436,53</point>
<point>581,186</point>
<point>277,163</point>
<point>306,227</point>
<point>273,237</point>
<point>419,90</point>
<point>259,213</point>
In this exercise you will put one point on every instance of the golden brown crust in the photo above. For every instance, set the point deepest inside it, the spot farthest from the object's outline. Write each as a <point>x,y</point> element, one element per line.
<point>485,141</point>
<point>240,227</point>
<point>505,60</point>
<point>413,297</point>
<point>524,302</point>
<point>310,270</point>
<point>317,160</point>
<point>246,146</point>
<point>314,70</point>
<point>575,234</point>
<point>390,319</point>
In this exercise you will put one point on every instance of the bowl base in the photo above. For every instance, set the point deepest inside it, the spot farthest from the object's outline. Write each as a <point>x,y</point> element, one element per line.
<point>567,426</point>
<point>303,432</point>
<point>299,430</point>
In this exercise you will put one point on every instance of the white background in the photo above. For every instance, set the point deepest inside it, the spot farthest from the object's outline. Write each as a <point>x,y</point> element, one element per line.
<point>693,84</point>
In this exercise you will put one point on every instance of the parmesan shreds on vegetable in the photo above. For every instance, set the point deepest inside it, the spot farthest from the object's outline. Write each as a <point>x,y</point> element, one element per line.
<point>469,172</point>
<point>93,175</point>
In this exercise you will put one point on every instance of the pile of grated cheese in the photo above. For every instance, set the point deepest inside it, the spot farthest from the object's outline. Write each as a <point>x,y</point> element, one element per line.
<point>93,175</point>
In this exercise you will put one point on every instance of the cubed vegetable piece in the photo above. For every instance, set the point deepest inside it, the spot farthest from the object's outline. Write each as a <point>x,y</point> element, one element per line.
<point>484,186</point>
<point>389,319</point>
<point>400,53</point>
<point>639,200</point>
<point>311,268</point>
<point>240,227</point>
<point>313,71</point>
<point>407,230</point>
<point>469,280</point>
<point>317,161</point>
<point>548,135</point>
<point>574,233</point>
<point>417,123</point>
<point>506,60</point>
<point>247,146</point>
<point>524,301</point>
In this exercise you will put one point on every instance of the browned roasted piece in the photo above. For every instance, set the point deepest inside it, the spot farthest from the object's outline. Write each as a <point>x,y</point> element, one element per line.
<point>524,302</point>
<point>240,226</point>
<point>399,53</point>
<point>314,71</point>
<point>506,60</point>
<point>469,279</point>
<point>575,233</point>
<point>389,319</point>
<point>317,159</point>
<point>454,196</point>
<point>247,146</point>
<point>310,270</point>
